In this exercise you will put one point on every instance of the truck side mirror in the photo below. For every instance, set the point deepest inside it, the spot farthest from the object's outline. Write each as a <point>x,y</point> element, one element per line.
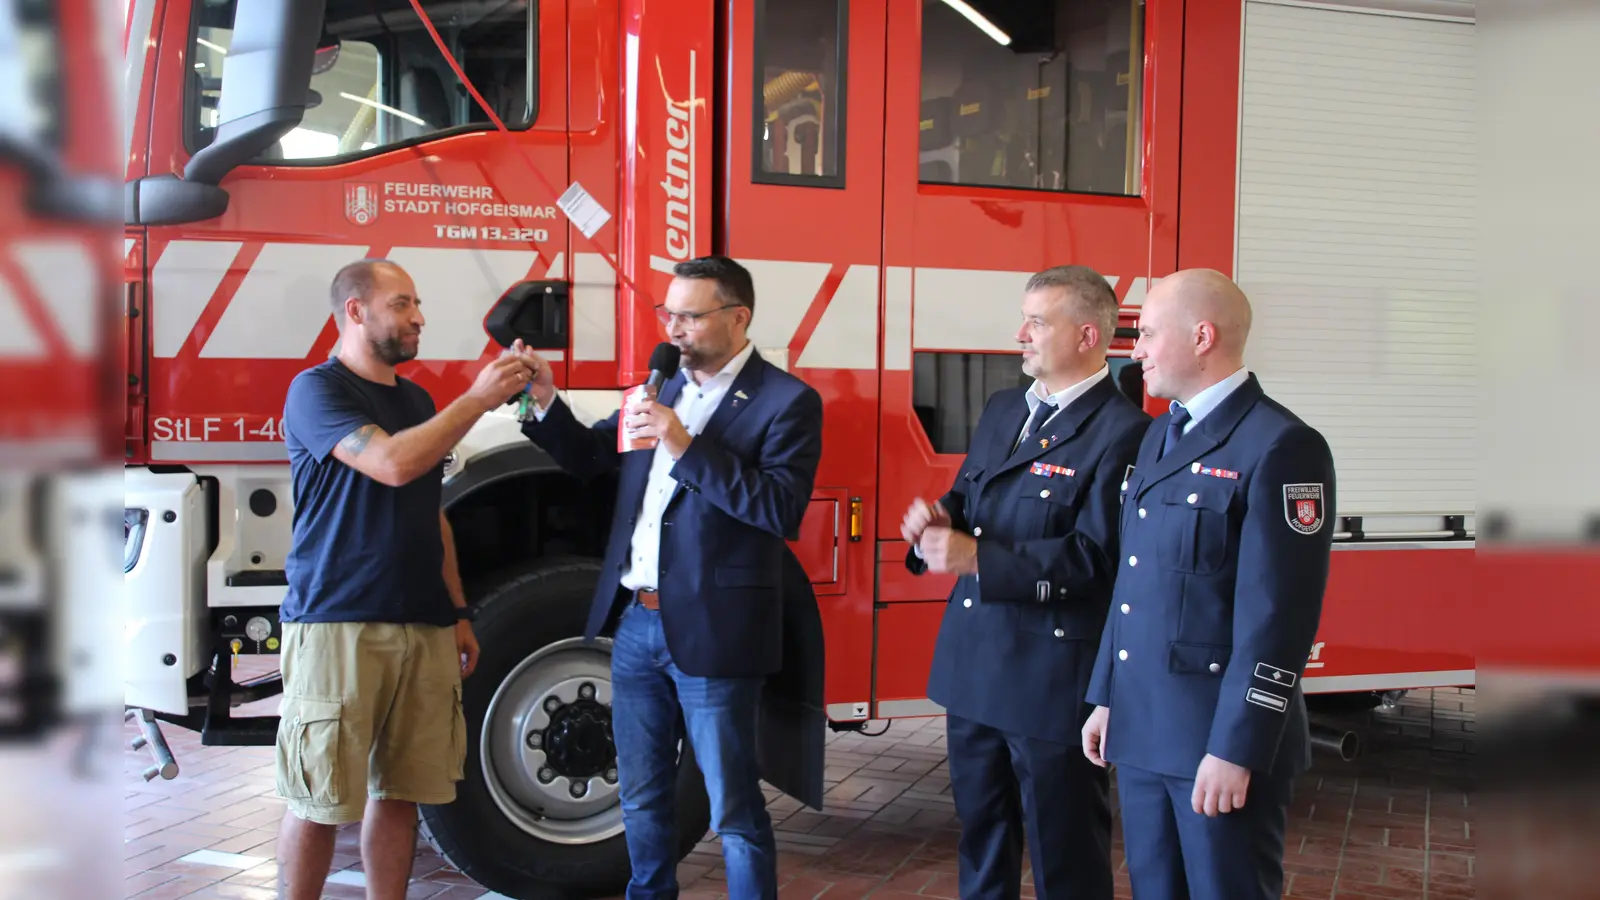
<point>264,97</point>
<point>536,312</point>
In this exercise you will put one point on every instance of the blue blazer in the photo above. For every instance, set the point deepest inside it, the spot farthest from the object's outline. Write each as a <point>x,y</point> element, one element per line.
<point>1225,551</point>
<point>743,487</point>
<point>1017,644</point>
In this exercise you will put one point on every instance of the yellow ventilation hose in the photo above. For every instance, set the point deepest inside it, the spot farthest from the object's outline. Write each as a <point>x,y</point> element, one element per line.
<point>786,87</point>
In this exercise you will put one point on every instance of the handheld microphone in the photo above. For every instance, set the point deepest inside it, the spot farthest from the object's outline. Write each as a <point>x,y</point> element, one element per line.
<point>663,364</point>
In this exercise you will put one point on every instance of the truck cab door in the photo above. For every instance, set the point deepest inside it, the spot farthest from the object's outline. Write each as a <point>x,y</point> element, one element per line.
<point>800,172</point>
<point>1045,136</point>
<point>391,157</point>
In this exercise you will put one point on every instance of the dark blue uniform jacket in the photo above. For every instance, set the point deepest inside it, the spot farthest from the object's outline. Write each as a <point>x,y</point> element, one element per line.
<point>1017,644</point>
<point>1224,558</point>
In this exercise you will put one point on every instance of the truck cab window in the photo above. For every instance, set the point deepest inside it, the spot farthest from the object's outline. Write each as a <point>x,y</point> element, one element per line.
<point>1033,94</point>
<point>799,116</point>
<point>30,74</point>
<point>378,80</point>
<point>950,389</point>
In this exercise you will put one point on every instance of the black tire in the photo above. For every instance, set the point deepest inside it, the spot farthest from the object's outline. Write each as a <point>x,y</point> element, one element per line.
<point>520,611</point>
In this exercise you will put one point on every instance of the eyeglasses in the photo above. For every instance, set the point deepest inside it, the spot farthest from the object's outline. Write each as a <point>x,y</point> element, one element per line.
<point>689,320</point>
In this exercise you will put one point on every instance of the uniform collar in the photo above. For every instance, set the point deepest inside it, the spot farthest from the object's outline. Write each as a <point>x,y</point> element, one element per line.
<point>1061,398</point>
<point>1203,403</point>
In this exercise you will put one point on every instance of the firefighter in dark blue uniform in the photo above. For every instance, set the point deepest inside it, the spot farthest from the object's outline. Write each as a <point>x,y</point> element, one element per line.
<point>1030,528</point>
<point>1225,537</point>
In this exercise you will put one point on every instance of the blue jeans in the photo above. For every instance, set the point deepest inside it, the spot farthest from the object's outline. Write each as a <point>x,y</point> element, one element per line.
<point>648,693</point>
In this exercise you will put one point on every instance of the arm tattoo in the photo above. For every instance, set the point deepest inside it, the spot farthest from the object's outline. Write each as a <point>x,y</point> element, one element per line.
<point>356,441</point>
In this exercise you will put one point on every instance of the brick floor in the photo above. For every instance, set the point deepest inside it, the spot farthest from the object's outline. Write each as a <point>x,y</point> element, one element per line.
<point>1398,823</point>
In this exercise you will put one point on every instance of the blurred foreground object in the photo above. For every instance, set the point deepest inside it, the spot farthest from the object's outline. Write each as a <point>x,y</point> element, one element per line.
<point>1539,487</point>
<point>60,399</point>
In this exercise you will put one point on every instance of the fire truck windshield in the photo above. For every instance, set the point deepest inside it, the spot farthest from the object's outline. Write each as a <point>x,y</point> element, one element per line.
<point>378,80</point>
<point>29,78</point>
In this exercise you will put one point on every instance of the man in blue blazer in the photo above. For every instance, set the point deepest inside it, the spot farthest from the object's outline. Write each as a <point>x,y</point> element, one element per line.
<point>697,568</point>
<point>1227,526</point>
<point>1030,526</point>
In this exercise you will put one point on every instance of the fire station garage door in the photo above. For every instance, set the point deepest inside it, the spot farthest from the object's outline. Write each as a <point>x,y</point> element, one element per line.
<point>1356,237</point>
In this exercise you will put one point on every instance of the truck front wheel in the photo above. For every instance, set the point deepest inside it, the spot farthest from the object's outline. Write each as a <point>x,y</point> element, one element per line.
<point>537,815</point>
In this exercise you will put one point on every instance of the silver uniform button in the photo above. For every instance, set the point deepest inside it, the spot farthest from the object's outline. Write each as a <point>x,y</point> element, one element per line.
<point>977,532</point>
<point>1061,632</point>
<point>1193,499</point>
<point>1215,667</point>
<point>967,603</point>
<point>1133,560</point>
<point>1122,654</point>
<point>1141,512</point>
<point>1125,608</point>
<point>1045,492</point>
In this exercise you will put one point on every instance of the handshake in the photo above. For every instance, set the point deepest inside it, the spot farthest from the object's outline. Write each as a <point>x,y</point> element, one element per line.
<point>518,372</point>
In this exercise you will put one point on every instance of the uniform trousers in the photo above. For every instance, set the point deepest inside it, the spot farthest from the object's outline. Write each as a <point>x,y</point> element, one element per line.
<point>1009,786</point>
<point>1175,853</point>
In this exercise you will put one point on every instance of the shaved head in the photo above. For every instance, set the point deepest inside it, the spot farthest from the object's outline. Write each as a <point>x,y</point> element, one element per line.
<point>1208,296</point>
<point>1192,333</point>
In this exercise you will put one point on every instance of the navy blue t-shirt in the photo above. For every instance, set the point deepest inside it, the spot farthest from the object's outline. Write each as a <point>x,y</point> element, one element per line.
<point>361,551</point>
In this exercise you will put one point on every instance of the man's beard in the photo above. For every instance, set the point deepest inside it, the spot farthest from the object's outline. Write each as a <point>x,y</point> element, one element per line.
<point>692,357</point>
<point>392,350</point>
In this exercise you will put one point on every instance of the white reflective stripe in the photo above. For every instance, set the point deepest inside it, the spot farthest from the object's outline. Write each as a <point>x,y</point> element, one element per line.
<point>594,308</point>
<point>895,709</point>
<point>845,712</point>
<point>1393,681</point>
<point>846,337</point>
<point>457,288</point>
<point>1138,290</point>
<point>181,284</point>
<point>945,304</point>
<point>18,338</point>
<point>897,318</point>
<point>558,268</point>
<point>46,453</point>
<point>219,451</point>
<point>282,305</point>
<point>784,291</point>
<point>66,281</point>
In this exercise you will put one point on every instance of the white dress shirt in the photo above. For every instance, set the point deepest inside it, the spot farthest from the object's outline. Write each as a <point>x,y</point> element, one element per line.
<point>1059,399</point>
<point>1209,399</point>
<point>694,407</point>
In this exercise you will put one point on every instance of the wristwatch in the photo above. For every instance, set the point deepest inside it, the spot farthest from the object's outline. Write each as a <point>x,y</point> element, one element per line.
<point>466,614</point>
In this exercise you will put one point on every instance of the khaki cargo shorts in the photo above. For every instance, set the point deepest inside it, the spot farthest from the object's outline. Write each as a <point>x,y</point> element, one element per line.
<point>370,709</point>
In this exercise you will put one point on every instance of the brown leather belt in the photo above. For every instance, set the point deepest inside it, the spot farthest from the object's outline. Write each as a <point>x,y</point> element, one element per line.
<point>648,599</point>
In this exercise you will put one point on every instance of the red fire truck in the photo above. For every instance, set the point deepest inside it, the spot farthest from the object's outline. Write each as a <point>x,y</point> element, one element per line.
<point>58,366</point>
<point>891,172</point>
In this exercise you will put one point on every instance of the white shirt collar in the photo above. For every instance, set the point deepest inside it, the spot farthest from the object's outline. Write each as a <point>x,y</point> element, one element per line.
<point>1203,403</point>
<point>1061,398</point>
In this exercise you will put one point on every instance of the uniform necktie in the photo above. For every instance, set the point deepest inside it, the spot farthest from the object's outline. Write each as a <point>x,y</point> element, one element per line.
<point>1041,413</point>
<point>1180,417</point>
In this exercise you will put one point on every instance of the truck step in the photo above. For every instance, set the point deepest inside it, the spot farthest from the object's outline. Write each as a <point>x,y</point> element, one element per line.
<point>166,766</point>
<point>250,731</point>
